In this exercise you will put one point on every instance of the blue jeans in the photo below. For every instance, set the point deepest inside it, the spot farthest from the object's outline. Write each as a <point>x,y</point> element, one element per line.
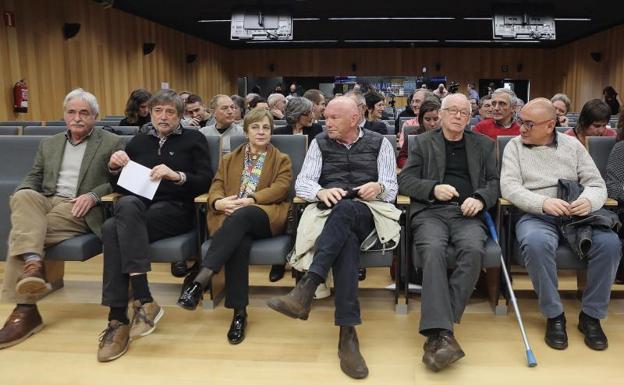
<point>539,237</point>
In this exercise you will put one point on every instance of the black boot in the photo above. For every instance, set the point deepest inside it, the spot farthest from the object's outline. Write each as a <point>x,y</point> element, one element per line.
<point>297,303</point>
<point>351,361</point>
<point>236,334</point>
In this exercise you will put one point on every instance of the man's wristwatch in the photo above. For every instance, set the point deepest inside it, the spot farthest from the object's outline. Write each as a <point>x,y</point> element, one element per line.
<point>383,190</point>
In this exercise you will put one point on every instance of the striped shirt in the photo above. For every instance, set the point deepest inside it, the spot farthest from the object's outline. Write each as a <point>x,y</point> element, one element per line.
<point>307,185</point>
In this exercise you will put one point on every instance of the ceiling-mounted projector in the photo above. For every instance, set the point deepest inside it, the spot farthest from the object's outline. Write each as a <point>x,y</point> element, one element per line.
<point>260,26</point>
<point>523,27</point>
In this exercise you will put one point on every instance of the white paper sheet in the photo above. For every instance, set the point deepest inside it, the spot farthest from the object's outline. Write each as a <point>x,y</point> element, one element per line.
<point>135,177</point>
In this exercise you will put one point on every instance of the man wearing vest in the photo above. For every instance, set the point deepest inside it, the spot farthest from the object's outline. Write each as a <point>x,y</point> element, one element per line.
<point>343,159</point>
<point>452,178</point>
<point>57,200</point>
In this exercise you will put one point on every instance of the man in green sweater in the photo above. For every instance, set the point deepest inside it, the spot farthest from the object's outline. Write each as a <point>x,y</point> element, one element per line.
<point>532,165</point>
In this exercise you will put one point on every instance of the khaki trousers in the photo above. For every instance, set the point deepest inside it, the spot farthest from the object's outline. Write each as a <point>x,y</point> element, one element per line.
<point>37,222</point>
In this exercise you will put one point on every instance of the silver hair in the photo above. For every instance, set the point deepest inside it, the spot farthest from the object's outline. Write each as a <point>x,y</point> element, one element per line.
<point>445,101</point>
<point>562,98</point>
<point>296,107</point>
<point>84,95</point>
<point>274,98</point>
<point>513,99</point>
<point>357,97</point>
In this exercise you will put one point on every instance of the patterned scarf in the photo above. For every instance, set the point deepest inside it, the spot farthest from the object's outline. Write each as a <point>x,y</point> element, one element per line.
<point>251,172</point>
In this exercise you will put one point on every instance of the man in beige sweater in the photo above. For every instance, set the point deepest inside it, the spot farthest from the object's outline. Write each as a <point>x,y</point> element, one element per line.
<point>532,165</point>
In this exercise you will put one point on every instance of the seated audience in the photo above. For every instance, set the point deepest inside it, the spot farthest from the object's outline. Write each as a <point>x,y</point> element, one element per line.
<point>298,115</point>
<point>239,109</point>
<point>242,208</point>
<point>534,165</point>
<point>441,92</point>
<point>447,200</point>
<point>277,105</point>
<point>223,111</point>
<point>485,108</point>
<point>428,119</point>
<point>195,109</point>
<point>592,121</point>
<point>137,112</point>
<point>249,97</point>
<point>408,112</point>
<point>502,123</point>
<point>612,99</point>
<point>375,105</point>
<point>472,92</point>
<point>57,200</point>
<point>343,158</point>
<point>417,99</point>
<point>561,102</point>
<point>184,172</point>
<point>318,100</point>
<point>258,102</point>
<point>474,105</point>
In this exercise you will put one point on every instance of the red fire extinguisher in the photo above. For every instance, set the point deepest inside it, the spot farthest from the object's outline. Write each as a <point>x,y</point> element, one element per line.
<point>20,96</point>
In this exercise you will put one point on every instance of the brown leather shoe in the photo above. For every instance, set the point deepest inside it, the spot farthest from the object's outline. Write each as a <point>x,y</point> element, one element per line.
<point>23,322</point>
<point>441,350</point>
<point>351,361</point>
<point>114,341</point>
<point>32,281</point>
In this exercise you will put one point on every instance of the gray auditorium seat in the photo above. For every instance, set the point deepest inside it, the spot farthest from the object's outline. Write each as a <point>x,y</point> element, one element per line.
<point>9,130</point>
<point>55,123</point>
<point>40,130</point>
<point>20,123</point>
<point>122,130</point>
<point>599,148</point>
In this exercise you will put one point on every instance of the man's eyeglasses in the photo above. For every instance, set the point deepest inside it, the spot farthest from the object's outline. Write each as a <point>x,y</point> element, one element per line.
<point>454,111</point>
<point>529,124</point>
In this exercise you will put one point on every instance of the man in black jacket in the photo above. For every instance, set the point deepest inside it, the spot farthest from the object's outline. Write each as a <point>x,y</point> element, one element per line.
<point>451,177</point>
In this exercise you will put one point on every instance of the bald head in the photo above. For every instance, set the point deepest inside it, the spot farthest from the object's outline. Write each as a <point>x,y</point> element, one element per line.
<point>541,107</point>
<point>341,118</point>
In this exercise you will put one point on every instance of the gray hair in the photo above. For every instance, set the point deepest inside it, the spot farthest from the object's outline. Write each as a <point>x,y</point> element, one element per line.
<point>274,98</point>
<point>357,97</point>
<point>84,95</point>
<point>447,99</point>
<point>562,98</point>
<point>513,99</point>
<point>296,107</point>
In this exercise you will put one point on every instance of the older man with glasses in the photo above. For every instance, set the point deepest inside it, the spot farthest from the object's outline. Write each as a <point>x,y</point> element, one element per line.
<point>534,164</point>
<point>452,178</point>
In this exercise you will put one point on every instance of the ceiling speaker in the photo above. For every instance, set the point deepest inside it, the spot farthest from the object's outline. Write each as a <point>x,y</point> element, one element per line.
<point>70,30</point>
<point>596,56</point>
<point>190,58</point>
<point>148,48</point>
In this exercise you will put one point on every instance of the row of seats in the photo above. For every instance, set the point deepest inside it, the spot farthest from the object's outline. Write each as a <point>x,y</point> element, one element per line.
<point>53,130</point>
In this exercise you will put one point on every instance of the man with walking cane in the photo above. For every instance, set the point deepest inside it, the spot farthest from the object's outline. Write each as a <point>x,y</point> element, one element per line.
<point>451,177</point>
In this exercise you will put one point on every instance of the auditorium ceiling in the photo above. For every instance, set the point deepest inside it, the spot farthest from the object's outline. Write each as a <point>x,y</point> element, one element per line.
<point>382,23</point>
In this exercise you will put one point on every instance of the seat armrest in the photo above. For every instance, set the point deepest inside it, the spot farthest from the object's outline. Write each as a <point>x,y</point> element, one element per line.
<point>403,200</point>
<point>504,202</point>
<point>611,202</point>
<point>203,198</point>
<point>110,198</point>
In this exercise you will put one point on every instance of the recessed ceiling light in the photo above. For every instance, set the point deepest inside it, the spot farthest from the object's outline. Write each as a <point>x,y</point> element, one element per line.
<point>306,19</point>
<point>572,19</point>
<point>392,41</point>
<point>214,21</point>
<point>478,18</point>
<point>289,41</point>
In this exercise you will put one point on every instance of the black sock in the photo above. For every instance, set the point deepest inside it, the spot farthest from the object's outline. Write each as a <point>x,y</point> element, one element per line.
<point>140,289</point>
<point>242,311</point>
<point>558,318</point>
<point>29,305</point>
<point>433,332</point>
<point>317,279</point>
<point>119,314</point>
<point>585,315</point>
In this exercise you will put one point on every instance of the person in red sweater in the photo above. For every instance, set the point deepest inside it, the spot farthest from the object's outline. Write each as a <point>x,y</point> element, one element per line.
<point>502,122</point>
<point>592,121</point>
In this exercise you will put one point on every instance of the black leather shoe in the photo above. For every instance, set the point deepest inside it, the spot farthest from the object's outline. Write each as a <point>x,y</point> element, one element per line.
<point>556,336</point>
<point>594,336</point>
<point>179,269</point>
<point>236,334</point>
<point>361,274</point>
<point>191,296</point>
<point>277,273</point>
